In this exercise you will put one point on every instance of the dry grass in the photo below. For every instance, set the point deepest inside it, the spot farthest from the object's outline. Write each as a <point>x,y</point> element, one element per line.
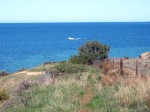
<point>127,93</point>
<point>9,82</point>
<point>106,67</point>
<point>60,95</point>
<point>133,90</point>
<point>3,95</point>
<point>63,90</point>
<point>111,93</point>
<point>129,66</point>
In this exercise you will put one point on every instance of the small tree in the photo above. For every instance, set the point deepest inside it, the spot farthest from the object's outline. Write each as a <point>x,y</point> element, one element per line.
<point>90,52</point>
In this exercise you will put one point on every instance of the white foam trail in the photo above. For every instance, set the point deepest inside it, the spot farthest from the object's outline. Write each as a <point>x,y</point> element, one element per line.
<point>71,38</point>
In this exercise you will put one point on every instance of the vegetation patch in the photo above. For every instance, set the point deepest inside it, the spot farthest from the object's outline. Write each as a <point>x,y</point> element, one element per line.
<point>3,95</point>
<point>90,52</point>
<point>59,97</point>
<point>129,94</point>
<point>43,67</point>
<point>3,73</point>
<point>69,68</point>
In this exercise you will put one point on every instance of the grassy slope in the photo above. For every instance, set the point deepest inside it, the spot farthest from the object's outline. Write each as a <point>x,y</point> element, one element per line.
<point>62,94</point>
<point>69,93</point>
<point>58,97</point>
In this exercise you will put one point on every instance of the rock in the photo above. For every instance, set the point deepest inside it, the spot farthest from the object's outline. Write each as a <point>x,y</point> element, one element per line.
<point>47,78</point>
<point>145,55</point>
<point>25,85</point>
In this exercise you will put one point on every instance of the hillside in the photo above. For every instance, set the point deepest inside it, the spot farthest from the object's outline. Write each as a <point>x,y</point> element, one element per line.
<point>85,90</point>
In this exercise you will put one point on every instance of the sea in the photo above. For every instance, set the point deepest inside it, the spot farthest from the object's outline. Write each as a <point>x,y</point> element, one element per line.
<point>26,45</point>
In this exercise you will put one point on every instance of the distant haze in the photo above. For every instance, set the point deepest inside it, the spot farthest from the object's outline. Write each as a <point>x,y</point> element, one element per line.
<point>14,11</point>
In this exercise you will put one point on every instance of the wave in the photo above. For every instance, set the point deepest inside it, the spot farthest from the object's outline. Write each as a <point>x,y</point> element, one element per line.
<point>71,38</point>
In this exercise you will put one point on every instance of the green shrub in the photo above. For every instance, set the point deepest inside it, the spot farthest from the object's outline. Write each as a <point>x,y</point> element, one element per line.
<point>3,73</point>
<point>90,52</point>
<point>126,57</point>
<point>22,69</point>
<point>83,59</point>
<point>3,95</point>
<point>66,67</point>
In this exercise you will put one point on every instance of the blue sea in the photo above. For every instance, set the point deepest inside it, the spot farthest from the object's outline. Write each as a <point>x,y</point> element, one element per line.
<point>29,45</point>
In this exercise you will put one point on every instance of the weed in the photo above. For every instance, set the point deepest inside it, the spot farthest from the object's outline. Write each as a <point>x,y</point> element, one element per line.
<point>3,95</point>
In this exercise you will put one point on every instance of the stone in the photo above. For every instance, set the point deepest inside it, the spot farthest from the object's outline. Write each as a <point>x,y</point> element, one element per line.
<point>25,85</point>
<point>145,55</point>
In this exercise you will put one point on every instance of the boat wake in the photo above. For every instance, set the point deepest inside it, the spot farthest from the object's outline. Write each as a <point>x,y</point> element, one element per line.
<point>71,38</point>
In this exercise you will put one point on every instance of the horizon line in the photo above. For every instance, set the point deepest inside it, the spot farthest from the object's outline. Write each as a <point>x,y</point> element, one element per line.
<point>77,22</point>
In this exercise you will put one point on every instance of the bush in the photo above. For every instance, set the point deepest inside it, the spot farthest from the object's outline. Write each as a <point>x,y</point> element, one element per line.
<point>47,63</point>
<point>126,57</point>
<point>3,73</point>
<point>81,59</point>
<point>22,69</point>
<point>66,67</point>
<point>90,52</point>
<point>3,95</point>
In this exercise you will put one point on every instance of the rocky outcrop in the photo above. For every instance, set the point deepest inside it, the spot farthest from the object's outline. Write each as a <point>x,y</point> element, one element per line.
<point>145,55</point>
<point>25,85</point>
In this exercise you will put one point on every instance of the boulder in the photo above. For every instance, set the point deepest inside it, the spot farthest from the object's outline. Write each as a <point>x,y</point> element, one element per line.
<point>145,55</point>
<point>25,85</point>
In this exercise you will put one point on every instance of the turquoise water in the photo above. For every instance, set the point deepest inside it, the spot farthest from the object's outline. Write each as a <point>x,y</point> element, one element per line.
<point>28,45</point>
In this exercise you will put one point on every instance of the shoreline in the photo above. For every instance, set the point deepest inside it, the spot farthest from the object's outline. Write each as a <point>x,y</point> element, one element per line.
<point>48,62</point>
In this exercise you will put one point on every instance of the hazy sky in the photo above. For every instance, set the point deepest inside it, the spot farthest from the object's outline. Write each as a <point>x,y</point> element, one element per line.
<point>74,10</point>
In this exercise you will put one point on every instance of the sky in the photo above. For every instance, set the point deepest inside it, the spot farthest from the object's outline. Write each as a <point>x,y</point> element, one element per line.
<point>28,11</point>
